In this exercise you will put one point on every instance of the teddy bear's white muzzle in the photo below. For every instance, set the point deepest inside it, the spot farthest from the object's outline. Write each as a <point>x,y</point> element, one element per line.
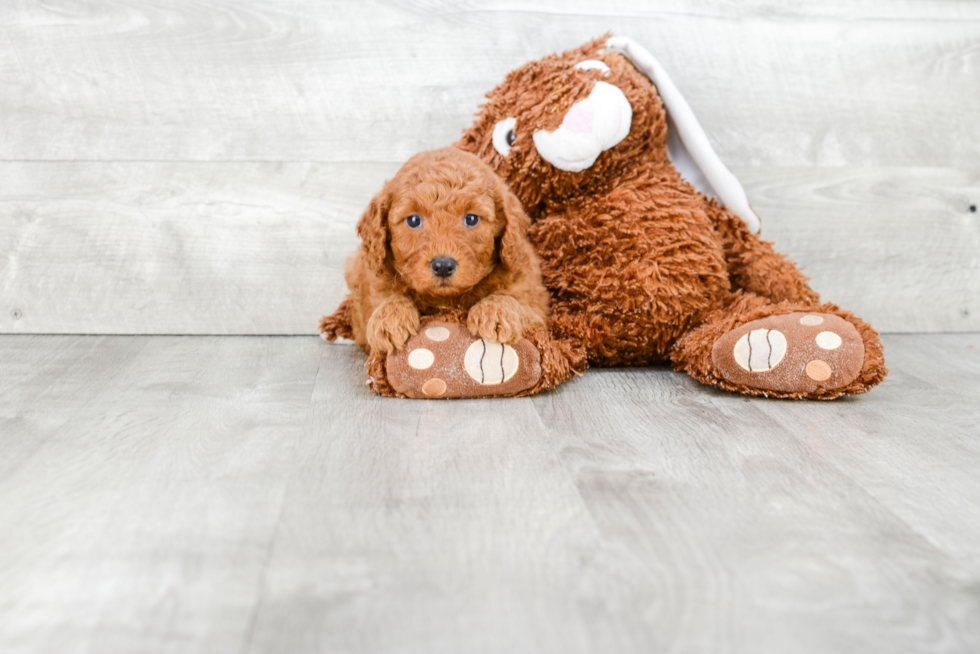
<point>591,126</point>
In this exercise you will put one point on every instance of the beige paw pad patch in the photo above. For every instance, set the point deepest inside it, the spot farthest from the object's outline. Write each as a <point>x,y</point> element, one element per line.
<point>438,334</point>
<point>792,353</point>
<point>435,387</point>
<point>818,370</point>
<point>760,350</point>
<point>828,340</point>
<point>491,363</point>
<point>421,358</point>
<point>444,360</point>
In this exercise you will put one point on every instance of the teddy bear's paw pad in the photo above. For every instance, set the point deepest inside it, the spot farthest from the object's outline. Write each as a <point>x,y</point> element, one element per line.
<point>444,360</point>
<point>791,353</point>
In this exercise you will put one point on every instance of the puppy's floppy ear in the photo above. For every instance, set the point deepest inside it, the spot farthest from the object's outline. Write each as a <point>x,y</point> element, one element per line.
<point>515,251</point>
<point>373,230</point>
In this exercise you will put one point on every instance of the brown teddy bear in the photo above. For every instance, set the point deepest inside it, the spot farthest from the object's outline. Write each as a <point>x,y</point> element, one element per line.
<point>641,266</point>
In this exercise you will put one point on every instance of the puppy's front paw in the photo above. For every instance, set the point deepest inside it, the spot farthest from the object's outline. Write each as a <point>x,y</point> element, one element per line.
<point>496,319</point>
<point>391,325</point>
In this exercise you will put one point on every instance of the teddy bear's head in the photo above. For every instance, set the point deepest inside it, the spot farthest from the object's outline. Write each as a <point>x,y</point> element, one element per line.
<point>565,123</point>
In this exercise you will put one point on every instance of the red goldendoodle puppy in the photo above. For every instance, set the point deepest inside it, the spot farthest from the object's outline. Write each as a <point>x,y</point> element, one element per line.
<point>445,232</point>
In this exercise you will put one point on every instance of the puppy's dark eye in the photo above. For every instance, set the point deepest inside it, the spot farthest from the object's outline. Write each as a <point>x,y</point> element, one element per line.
<point>414,221</point>
<point>472,220</point>
<point>511,137</point>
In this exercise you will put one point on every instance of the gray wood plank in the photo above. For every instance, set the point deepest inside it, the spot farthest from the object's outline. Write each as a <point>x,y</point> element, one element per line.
<point>143,522</point>
<point>203,494</point>
<point>424,527</point>
<point>878,95</point>
<point>774,84</point>
<point>177,247</point>
<point>259,248</point>
<point>896,246</point>
<point>713,523</point>
<point>41,389</point>
<point>764,499</point>
<point>927,475</point>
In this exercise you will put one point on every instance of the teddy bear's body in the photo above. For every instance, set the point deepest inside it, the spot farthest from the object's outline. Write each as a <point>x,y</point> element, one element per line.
<point>640,265</point>
<point>632,267</point>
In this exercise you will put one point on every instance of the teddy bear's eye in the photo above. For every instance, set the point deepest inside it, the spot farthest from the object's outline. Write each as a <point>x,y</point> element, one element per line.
<point>504,135</point>
<point>472,220</point>
<point>593,64</point>
<point>414,221</point>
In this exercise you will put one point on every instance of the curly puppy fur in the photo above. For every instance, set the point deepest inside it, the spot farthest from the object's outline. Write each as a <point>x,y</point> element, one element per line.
<point>420,218</point>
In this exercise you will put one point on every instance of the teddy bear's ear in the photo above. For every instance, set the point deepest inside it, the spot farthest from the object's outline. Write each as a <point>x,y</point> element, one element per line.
<point>471,140</point>
<point>373,230</point>
<point>687,144</point>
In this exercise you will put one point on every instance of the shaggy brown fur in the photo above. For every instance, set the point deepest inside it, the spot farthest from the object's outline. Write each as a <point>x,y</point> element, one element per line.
<point>496,279</point>
<point>641,267</point>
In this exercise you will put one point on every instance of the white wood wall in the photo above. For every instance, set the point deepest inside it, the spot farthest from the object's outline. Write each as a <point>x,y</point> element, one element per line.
<point>197,167</point>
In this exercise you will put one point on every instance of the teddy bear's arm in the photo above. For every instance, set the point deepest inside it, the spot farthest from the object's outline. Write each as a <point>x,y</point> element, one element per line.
<point>753,264</point>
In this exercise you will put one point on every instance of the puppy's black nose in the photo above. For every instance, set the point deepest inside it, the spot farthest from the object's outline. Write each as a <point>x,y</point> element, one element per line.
<point>443,266</point>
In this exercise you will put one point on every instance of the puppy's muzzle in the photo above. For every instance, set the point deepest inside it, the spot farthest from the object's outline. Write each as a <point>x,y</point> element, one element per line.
<point>443,266</point>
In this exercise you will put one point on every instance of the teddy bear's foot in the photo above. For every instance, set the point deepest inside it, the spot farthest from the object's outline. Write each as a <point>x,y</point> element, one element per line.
<point>807,354</point>
<point>444,360</point>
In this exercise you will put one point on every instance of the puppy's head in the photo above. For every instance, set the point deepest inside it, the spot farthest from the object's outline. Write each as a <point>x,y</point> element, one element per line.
<point>443,223</point>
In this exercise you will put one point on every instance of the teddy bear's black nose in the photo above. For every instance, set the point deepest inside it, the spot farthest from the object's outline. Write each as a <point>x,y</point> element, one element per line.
<point>443,266</point>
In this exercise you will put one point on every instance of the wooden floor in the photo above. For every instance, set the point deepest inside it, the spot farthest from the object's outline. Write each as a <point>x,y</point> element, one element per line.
<point>248,494</point>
